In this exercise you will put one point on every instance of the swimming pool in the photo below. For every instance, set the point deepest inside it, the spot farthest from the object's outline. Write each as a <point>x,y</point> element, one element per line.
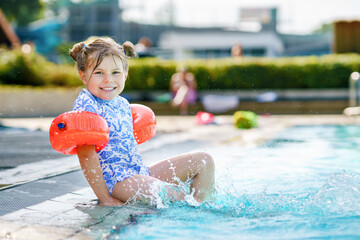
<point>304,184</point>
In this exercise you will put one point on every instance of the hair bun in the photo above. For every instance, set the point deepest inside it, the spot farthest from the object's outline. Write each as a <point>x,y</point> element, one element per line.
<point>76,50</point>
<point>129,49</point>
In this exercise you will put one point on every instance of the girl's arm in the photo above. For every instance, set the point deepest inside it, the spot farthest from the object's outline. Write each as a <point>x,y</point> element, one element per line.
<point>90,166</point>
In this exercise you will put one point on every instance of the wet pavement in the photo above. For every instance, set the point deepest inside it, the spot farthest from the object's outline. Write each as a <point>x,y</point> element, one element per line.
<point>38,191</point>
<point>20,146</point>
<point>45,196</point>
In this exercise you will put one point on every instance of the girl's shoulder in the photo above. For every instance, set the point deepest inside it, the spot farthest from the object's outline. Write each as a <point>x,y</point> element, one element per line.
<point>85,94</point>
<point>123,102</point>
<point>85,102</point>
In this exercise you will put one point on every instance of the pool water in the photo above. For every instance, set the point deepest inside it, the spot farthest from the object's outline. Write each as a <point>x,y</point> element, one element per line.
<point>304,184</point>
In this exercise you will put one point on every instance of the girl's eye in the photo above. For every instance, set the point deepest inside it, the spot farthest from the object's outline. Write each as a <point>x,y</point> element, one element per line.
<point>116,72</point>
<point>98,73</point>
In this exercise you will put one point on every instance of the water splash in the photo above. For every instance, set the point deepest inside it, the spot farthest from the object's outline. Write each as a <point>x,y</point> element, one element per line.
<point>332,209</point>
<point>339,195</point>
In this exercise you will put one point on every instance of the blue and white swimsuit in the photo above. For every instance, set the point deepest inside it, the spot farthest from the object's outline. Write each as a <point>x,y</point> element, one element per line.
<point>121,158</point>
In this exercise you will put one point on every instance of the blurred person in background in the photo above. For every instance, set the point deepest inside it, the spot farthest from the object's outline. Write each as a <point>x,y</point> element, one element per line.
<point>143,47</point>
<point>183,88</point>
<point>237,50</point>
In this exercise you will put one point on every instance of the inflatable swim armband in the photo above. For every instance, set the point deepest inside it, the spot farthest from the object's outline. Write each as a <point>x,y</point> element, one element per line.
<point>76,128</point>
<point>144,122</point>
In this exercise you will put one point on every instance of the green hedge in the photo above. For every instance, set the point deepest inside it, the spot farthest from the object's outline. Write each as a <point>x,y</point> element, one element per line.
<point>330,71</point>
<point>17,68</point>
<point>150,73</point>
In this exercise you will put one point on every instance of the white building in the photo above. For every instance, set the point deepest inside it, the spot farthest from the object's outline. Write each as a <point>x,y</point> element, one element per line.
<point>218,43</point>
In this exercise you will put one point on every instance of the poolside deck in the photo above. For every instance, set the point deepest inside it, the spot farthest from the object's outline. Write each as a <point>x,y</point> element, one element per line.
<point>71,213</point>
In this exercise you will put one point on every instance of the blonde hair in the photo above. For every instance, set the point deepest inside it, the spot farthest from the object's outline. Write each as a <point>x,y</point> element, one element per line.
<point>94,49</point>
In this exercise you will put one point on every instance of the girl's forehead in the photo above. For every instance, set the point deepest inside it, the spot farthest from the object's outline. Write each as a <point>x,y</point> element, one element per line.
<point>111,60</point>
<point>108,61</point>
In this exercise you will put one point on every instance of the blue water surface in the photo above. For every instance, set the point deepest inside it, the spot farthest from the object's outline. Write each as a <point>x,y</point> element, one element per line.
<point>304,184</point>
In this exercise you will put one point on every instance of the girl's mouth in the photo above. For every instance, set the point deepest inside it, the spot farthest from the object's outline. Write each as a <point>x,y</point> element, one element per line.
<point>108,88</point>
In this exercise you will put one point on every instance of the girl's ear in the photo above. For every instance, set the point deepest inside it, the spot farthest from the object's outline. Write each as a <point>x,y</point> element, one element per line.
<point>82,77</point>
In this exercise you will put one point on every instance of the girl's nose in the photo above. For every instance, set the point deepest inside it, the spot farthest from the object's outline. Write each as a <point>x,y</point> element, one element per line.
<point>107,78</point>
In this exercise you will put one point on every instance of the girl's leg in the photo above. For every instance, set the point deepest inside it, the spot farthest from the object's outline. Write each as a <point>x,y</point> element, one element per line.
<point>198,166</point>
<point>144,188</point>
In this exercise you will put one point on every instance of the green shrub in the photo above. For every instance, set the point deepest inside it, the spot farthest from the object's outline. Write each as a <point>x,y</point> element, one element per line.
<point>330,71</point>
<point>17,68</point>
<point>150,73</point>
<point>64,75</point>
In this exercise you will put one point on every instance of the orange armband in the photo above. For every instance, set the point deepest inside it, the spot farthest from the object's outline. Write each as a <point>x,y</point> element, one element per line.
<point>144,122</point>
<point>77,128</point>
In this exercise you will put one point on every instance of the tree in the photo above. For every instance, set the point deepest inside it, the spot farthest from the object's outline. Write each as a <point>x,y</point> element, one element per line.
<point>22,12</point>
<point>324,28</point>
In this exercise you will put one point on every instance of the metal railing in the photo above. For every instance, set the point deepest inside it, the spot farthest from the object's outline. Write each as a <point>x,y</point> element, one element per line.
<point>354,89</point>
<point>354,95</point>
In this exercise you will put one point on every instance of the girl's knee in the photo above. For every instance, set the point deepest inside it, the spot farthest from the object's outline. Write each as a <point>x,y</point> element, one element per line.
<point>206,159</point>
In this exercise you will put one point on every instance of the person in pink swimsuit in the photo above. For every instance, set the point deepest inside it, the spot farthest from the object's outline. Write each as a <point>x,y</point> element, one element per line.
<point>183,88</point>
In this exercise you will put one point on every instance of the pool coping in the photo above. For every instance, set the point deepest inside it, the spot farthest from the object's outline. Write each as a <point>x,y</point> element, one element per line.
<point>41,221</point>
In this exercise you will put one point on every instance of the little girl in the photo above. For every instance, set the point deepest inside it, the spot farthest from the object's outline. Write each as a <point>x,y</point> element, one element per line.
<point>117,173</point>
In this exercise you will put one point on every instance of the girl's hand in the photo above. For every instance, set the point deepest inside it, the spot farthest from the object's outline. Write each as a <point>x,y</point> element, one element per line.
<point>111,202</point>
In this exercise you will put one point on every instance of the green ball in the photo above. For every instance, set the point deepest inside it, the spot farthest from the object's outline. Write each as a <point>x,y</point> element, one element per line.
<point>245,119</point>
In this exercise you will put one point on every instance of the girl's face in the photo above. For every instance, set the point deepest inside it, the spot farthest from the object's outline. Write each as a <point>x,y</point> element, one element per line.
<point>107,80</point>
